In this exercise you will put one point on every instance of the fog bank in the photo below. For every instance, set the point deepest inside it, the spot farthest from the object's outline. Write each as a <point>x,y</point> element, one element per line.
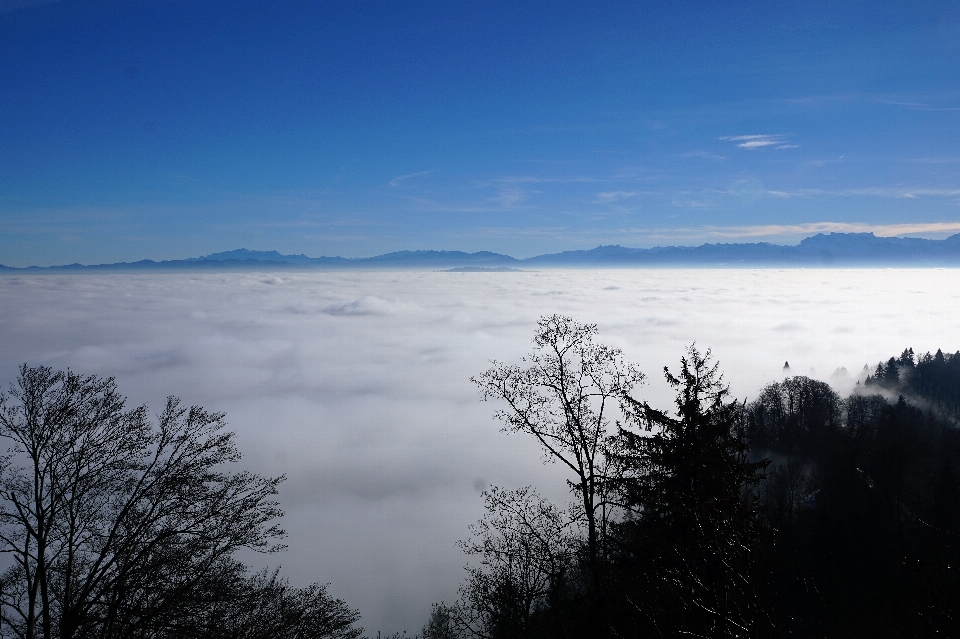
<point>356,384</point>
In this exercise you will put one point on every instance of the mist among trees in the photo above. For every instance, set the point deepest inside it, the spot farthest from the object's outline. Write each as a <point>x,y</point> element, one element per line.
<point>796,513</point>
<point>800,513</point>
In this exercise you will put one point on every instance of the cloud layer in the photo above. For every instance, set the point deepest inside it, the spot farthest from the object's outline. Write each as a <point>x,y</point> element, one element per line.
<point>356,384</point>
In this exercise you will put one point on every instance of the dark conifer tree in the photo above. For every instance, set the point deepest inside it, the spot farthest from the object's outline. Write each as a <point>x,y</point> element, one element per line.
<point>692,532</point>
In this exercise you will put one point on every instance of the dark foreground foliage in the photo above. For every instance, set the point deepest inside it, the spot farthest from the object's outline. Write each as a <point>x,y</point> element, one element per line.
<point>688,543</point>
<point>115,526</point>
<point>863,499</point>
<point>800,514</point>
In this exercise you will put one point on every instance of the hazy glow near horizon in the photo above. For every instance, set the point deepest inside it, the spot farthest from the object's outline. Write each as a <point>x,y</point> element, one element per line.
<point>356,385</point>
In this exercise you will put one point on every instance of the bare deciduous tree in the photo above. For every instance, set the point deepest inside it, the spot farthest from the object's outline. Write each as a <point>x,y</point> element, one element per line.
<point>527,548</point>
<point>265,606</point>
<point>116,527</point>
<point>565,398</point>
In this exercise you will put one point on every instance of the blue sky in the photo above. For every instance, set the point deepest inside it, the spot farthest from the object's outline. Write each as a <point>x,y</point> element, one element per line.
<point>164,129</point>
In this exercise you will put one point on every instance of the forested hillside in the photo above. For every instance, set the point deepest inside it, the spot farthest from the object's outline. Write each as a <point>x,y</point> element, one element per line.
<point>800,513</point>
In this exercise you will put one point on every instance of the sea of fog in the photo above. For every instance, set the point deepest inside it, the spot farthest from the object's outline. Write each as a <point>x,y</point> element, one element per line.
<point>356,385</point>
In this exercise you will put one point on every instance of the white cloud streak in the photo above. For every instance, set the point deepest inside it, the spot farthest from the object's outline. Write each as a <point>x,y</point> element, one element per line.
<point>397,181</point>
<point>882,230</point>
<point>788,232</point>
<point>705,155</point>
<point>753,142</point>
<point>907,192</point>
<point>608,197</point>
<point>510,197</point>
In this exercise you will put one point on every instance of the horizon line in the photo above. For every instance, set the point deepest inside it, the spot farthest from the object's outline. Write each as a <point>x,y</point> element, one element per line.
<point>301,259</point>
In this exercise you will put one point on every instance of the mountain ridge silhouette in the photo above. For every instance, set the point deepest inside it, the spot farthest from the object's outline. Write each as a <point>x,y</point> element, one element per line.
<point>820,250</point>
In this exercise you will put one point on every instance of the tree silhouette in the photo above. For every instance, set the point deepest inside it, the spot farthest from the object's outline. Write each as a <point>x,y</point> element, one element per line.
<point>565,398</point>
<point>527,549</point>
<point>118,527</point>
<point>693,528</point>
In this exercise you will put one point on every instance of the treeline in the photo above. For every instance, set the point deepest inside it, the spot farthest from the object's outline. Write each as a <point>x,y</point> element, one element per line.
<point>928,381</point>
<point>799,514</point>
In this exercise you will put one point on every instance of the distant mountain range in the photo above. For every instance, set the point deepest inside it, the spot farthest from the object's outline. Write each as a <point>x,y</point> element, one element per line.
<point>821,250</point>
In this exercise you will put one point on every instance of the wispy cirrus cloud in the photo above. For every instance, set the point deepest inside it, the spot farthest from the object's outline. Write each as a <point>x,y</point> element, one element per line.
<point>935,160</point>
<point>909,193</point>
<point>509,197</point>
<point>810,228</point>
<point>905,192</point>
<point>609,197</point>
<point>759,141</point>
<point>918,106</point>
<point>531,179</point>
<point>693,203</point>
<point>880,230</point>
<point>397,181</point>
<point>705,155</point>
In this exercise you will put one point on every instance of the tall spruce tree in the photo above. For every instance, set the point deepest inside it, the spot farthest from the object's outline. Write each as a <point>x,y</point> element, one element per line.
<point>689,541</point>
